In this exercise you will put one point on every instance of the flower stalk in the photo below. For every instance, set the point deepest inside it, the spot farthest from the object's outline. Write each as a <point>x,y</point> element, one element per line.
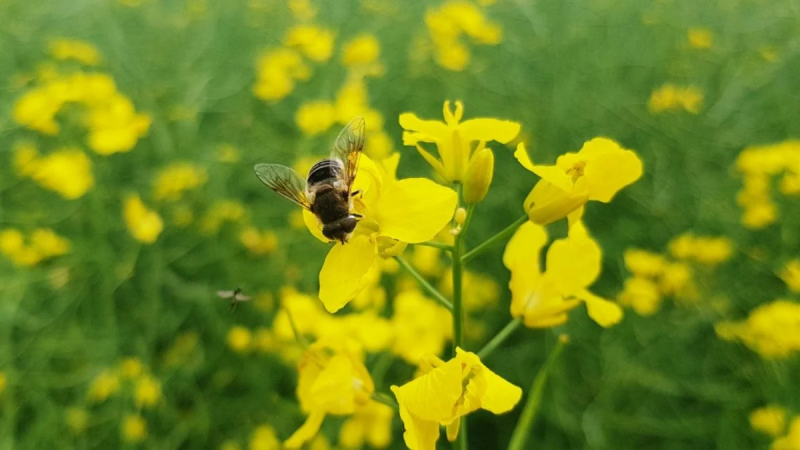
<point>424,283</point>
<point>499,237</point>
<point>500,337</point>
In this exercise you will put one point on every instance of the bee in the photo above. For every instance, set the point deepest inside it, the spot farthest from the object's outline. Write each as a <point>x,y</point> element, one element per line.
<point>235,296</point>
<point>326,190</point>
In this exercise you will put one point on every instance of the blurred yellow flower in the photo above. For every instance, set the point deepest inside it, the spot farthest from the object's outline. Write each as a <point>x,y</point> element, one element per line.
<point>264,438</point>
<point>315,117</point>
<point>227,153</point>
<point>371,425</point>
<point>758,164</point>
<point>77,420</point>
<point>332,380</point>
<point>542,299</point>
<point>25,157</point>
<point>394,212</point>
<point>316,43</point>
<point>180,352</point>
<point>427,260</point>
<point>3,382</point>
<point>115,126</point>
<point>144,224</point>
<point>642,295</point>
<point>44,244</point>
<point>131,368</point>
<point>670,97</point>
<point>278,70</point>
<point>450,21</point>
<point>420,326</point>
<point>454,139</point>
<point>792,440</point>
<point>644,263</point>
<point>700,38</point>
<point>147,392</point>
<point>378,145</point>
<point>705,250</point>
<point>772,330</point>
<point>258,242</point>
<point>770,420</point>
<point>174,180</point>
<point>447,391</point>
<point>676,279</point>
<point>240,339</point>
<point>351,101</point>
<point>222,211</point>
<point>134,428</point>
<point>74,49</point>
<point>599,170</point>
<point>36,109</point>
<point>361,50</point>
<point>48,244</point>
<point>104,385</point>
<point>67,171</point>
<point>303,10</point>
<point>371,332</point>
<point>790,274</point>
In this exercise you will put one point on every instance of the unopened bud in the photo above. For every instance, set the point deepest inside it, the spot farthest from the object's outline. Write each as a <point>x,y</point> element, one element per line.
<point>479,176</point>
<point>460,216</point>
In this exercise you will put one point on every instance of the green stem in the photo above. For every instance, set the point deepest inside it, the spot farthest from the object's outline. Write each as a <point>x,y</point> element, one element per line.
<point>501,236</point>
<point>499,338</point>
<point>459,315</point>
<point>424,283</point>
<point>435,244</point>
<point>526,419</point>
<point>380,397</point>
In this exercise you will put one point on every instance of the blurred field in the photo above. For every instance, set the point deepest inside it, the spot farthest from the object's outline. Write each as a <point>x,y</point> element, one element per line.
<point>146,317</point>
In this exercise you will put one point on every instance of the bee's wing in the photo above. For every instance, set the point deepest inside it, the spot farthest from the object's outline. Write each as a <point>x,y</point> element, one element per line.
<point>348,147</point>
<point>242,298</point>
<point>284,181</point>
<point>225,294</point>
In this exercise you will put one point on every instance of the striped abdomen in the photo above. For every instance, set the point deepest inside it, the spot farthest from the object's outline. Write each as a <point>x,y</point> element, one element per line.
<point>326,171</point>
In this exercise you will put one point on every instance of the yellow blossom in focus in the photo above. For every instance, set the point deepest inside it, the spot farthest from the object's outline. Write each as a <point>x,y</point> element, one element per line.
<point>370,425</point>
<point>277,72</point>
<point>258,242</point>
<point>173,181</point>
<point>642,295</point>
<point>395,212</point>
<point>144,224</point>
<point>131,368</point>
<point>313,41</point>
<point>599,170</point>
<point>134,428</point>
<point>772,330</point>
<point>420,326</point>
<point>332,380</point>
<point>700,38</point>
<point>73,49</point>
<point>454,139</point>
<point>670,97</point>
<point>644,263</point>
<point>67,171</point>
<point>77,420</point>
<point>240,339</point>
<point>315,117</point>
<point>543,298</point>
<point>147,392</point>
<point>770,420</point>
<point>446,392</point>
<point>264,438</point>
<point>790,274</point>
<point>104,385</point>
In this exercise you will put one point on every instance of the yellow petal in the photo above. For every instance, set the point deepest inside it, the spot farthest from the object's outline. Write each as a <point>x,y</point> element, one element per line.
<point>522,156</point>
<point>574,262</point>
<point>332,390</point>
<point>435,163</point>
<point>547,203</point>
<point>313,225</point>
<point>555,175</point>
<point>452,429</point>
<point>420,434</point>
<point>500,396</point>
<point>485,130</point>
<point>415,209</point>
<point>344,270</point>
<point>307,431</point>
<point>524,246</point>
<point>432,396</point>
<point>609,168</point>
<point>605,312</point>
<point>433,128</point>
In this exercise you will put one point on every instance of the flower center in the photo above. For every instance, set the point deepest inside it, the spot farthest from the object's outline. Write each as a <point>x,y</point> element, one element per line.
<point>576,171</point>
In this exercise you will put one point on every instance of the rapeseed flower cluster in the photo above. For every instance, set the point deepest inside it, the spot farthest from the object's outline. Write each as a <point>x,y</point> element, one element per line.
<point>450,24</point>
<point>41,244</point>
<point>772,330</point>
<point>671,98</point>
<point>758,165</point>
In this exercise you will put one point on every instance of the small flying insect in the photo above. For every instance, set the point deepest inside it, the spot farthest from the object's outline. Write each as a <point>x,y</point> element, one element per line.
<point>235,296</point>
<point>326,190</point>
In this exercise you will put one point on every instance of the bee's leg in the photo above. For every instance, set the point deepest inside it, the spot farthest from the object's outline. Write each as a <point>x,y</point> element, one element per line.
<point>354,193</point>
<point>357,216</point>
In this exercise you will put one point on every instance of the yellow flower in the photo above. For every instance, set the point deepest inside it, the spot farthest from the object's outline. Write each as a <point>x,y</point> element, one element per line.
<point>772,330</point>
<point>676,279</point>
<point>394,212</point>
<point>3,382</point>
<point>770,420</point>
<point>352,100</point>
<point>258,242</point>
<point>147,392</point>
<point>670,97</point>
<point>595,173</point>
<point>227,153</point>
<point>81,51</point>
<point>48,244</point>
<point>315,117</point>
<point>792,440</point>
<point>67,171</point>
<point>644,263</point>
<point>172,181</point>
<point>427,260</point>
<point>37,108</point>
<point>542,299</point>
<point>421,327</point>
<point>454,139</point>
<point>332,380</point>
<point>240,339</point>
<point>180,352</point>
<point>115,126</point>
<point>25,158</point>
<point>221,212</point>
<point>705,250</point>
<point>303,10</point>
<point>144,224</point>
<point>134,428</point>
<point>378,145</point>
<point>104,385</point>
<point>642,295</point>
<point>315,42</point>
<point>12,245</point>
<point>277,72</point>
<point>361,50</point>
<point>77,420</point>
<point>446,392</point>
<point>682,246</point>
<point>371,424</point>
<point>790,274</point>
<point>372,332</point>
<point>131,368</point>
<point>264,438</point>
<point>700,38</point>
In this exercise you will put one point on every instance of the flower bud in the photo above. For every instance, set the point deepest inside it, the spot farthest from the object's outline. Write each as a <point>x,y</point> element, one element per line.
<point>460,216</point>
<point>547,203</point>
<point>479,176</point>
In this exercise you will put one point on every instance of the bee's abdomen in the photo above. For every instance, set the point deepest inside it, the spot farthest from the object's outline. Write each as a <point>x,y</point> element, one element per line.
<point>324,170</point>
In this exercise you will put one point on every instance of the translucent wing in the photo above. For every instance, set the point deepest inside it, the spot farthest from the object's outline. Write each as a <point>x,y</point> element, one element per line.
<point>284,181</point>
<point>348,146</point>
<point>225,294</point>
<point>242,298</point>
